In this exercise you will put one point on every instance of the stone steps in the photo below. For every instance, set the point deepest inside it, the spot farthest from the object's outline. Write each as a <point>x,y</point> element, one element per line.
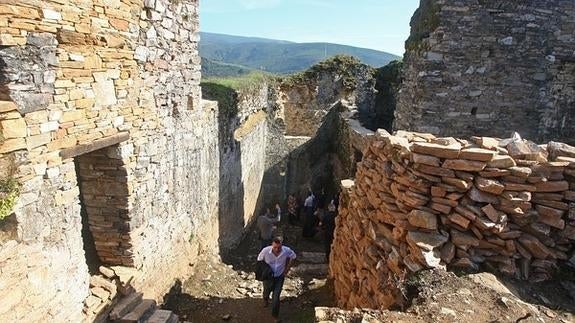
<point>113,299</point>
<point>134,309</point>
<point>163,316</point>
<point>139,314</point>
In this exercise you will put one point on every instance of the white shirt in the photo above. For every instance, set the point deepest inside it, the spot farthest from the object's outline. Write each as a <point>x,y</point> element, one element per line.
<point>309,201</point>
<point>278,264</point>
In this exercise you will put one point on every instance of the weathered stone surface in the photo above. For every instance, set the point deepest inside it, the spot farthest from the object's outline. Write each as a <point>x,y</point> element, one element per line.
<point>491,216</point>
<point>426,160</point>
<point>489,185</point>
<point>486,102</point>
<point>437,150</point>
<point>534,246</point>
<point>463,239</point>
<point>465,165</point>
<point>483,197</point>
<point>422,219</point>
<point>432,170</point>
<point>491,213</point>
<point>478,154</point>
<point>552,186</point>
<point>70,77</point>
<point>426,241</point>
<point>459,220</point>
<point>501,161</point>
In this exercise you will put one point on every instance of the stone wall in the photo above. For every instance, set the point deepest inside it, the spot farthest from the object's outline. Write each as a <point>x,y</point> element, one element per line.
<point>243,144</point>
<point>305,99</point>
<point>484,67</point>
<point>424,202</point>
<point>316,108</point>
<point>122,78</point>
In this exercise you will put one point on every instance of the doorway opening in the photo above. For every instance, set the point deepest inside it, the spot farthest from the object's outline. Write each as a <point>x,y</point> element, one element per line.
<point>104,196</point>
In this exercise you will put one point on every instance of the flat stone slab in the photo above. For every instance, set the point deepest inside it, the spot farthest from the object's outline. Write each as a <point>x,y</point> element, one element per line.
<point>95,145</point>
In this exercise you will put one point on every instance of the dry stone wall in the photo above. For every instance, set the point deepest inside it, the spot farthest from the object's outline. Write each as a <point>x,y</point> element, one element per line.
<point>425,202</point>
<point>120,77</point>
<point>484,67</point>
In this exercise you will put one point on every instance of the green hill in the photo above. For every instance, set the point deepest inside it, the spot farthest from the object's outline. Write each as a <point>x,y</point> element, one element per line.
<point>212,68</point>
<point>275,56</point>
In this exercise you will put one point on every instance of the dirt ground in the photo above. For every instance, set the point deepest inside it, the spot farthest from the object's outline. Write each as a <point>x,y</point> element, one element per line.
<point>226,291</point>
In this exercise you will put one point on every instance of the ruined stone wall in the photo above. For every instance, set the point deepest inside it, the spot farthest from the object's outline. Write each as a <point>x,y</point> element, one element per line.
<point>484,67</point>
<point>242,163</point>
<point>80,76</point>
<point>424,202</point>
<point>306,99</point>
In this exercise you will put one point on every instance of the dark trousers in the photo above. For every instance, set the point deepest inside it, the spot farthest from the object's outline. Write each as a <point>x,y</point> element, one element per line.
<point>309,223</point>
<point>293,218</point>
<point>274,285</point>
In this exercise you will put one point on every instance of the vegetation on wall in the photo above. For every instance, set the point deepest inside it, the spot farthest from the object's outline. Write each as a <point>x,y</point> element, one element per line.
<point>225,90</point>
<point>424,21</point>
<point>343,65</point>
<point>228,91</point>
<point>9,192</point>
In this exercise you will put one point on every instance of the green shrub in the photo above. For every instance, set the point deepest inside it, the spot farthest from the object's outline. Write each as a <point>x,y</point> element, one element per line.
<point>343,65</point>
<point>9,192</point>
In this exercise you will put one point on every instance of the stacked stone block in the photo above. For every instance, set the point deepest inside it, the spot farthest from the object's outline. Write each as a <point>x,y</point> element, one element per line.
<point>105,192</point>
<point>483,67</point>
<point>425,202</point>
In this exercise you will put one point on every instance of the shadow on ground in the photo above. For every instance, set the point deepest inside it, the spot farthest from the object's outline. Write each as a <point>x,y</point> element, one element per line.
<point>219,309</point>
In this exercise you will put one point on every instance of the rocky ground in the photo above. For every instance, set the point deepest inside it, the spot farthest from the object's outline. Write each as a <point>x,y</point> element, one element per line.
<point>227,291</point>
<point>440,296</point>
<point>221,291</point>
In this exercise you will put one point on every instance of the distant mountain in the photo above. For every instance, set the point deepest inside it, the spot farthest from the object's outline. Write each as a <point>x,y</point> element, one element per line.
<point>276,56</point>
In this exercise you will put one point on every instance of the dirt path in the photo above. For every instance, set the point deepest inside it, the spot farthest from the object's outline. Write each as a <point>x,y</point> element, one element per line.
<point>220,292</point>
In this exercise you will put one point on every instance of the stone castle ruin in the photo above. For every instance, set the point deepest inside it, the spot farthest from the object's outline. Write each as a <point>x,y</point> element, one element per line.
<point>119,172</point>
<point>488,67</point>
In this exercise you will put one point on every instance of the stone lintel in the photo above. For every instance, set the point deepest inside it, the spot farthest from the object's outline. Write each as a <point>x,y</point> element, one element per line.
<point>95,145</point>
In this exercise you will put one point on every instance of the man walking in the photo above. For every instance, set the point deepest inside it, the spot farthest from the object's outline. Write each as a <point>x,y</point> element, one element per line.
<point>280,258</point>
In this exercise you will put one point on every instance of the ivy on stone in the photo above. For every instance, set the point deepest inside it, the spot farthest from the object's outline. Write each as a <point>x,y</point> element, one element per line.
<point>9,192</point>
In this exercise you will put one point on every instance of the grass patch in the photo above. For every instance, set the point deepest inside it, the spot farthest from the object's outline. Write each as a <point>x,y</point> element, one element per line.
<point>228,90</point>
<point>247,82</point>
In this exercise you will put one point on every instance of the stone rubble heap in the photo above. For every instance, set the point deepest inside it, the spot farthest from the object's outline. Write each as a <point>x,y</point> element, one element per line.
<point>424,202</point>
<point>113,299</point>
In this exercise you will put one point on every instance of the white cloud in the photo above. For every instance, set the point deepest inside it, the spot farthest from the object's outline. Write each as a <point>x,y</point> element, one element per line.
<point>259,4</point>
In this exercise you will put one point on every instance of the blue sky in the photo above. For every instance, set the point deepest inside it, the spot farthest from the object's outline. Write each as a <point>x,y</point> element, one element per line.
<point>376,24</point>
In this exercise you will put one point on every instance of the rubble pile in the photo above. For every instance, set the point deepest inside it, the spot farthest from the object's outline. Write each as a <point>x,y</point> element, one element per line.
<point>420,202</point>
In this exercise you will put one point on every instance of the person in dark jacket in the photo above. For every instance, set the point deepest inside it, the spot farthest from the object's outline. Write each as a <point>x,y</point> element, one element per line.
<point>328,225</point>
